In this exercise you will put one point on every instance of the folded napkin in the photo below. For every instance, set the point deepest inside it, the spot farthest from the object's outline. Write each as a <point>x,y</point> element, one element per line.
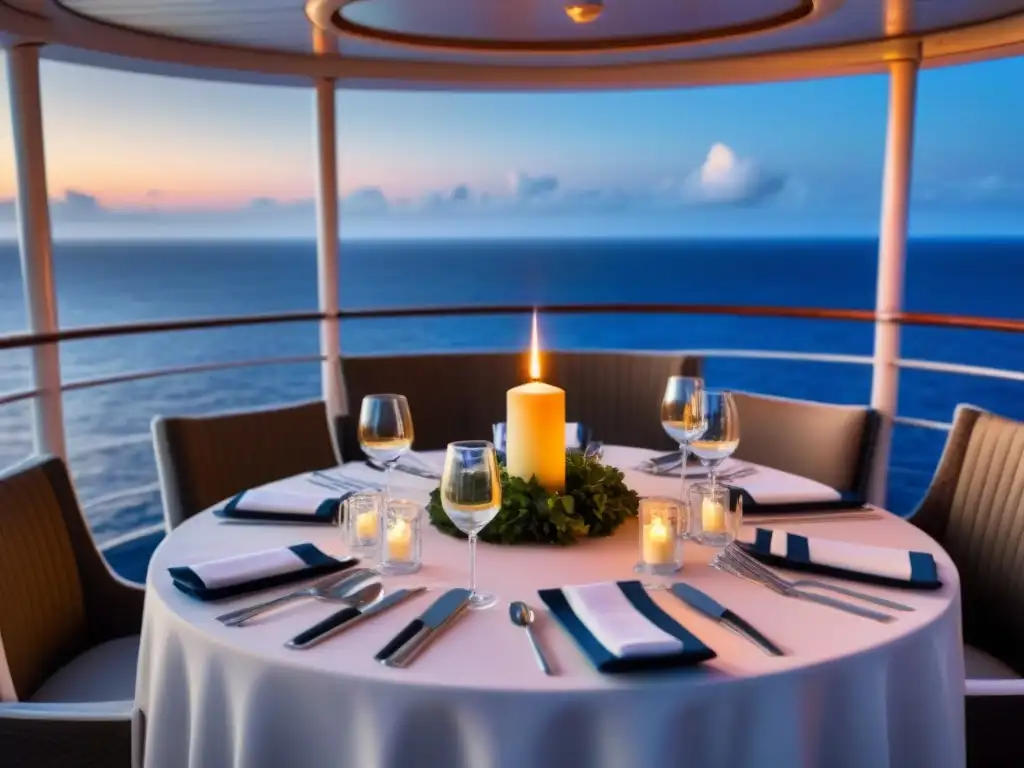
<point>576,436</point>
<point>620,628</point>
<point>278,505</point>
<point>231,576</point>
<point>773,491</point>
<point>858,562</point>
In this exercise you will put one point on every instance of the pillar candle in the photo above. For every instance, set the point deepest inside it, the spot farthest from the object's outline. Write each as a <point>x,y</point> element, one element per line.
<point>535,434</point>
<point>712,516</point>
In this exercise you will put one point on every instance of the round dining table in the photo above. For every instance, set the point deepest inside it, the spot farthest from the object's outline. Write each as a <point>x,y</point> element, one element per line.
<point>848,692</point>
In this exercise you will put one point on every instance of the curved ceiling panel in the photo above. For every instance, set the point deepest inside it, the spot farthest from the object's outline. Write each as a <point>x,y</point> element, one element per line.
<point>545,25</point>
<point>538,32</point>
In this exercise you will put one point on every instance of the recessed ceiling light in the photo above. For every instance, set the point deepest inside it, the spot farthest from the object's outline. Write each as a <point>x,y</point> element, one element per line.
<point>584,13</point>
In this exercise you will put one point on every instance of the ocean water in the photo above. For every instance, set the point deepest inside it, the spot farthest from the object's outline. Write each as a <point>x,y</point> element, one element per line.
<point>108,427</point>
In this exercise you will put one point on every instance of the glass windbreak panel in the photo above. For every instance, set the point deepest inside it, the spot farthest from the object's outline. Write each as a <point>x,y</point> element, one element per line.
<point>965,257</point>
<point>15,373</point>
<point>174,199</point>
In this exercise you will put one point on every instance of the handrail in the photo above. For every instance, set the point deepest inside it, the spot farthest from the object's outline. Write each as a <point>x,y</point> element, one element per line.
<point>21,340</point>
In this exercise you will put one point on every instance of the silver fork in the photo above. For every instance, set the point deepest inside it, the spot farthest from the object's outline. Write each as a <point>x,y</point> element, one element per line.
<point>755,564</point>
<point>724,562</point>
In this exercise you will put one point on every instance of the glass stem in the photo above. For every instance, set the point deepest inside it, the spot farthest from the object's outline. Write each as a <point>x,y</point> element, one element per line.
<point>684,450</point>
<point>387,483</point>
<point>472,563</point>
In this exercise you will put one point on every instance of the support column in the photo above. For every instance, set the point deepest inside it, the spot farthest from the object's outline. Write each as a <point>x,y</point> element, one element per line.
<point>892,253</point>
<point>331,378</point>
<point>36,244</point>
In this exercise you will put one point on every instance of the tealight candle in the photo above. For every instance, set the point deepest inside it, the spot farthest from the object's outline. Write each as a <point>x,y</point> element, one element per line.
<point>719,518</point>
<point>361,520</point>
<point>661,551</point>
<point>712,516</point>
<point>659,543</point>
<point>403,537</point>
<point>366,525</point>
<point>399,540</point>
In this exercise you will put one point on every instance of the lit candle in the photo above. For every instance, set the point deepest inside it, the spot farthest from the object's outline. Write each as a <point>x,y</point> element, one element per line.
<point>659,543</point>
<point>366,526</point>
<point>535,428</point>
<point>712,516</point>
<point>400,541</point>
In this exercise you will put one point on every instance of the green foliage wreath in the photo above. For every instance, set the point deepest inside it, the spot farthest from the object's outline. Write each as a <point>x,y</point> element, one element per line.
<point>595,503</point>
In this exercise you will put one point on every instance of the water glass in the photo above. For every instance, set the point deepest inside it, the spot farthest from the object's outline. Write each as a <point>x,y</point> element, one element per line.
<point>385,431</point>
<point>721,435</point>
<point>682,418</point>
<point>361,516</point>
<point>660,545</point>
<point>402,541</point>
<point>714,519</point>
<point>471,497</point>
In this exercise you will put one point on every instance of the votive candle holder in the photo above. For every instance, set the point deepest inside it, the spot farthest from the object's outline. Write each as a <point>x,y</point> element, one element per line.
<point>362,515</point>
<point>402,537</point>
<point>659,543</point>
<point>715,518</point>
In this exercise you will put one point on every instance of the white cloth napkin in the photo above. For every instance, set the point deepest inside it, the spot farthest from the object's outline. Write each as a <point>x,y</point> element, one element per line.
<point>772,486</point>
<point>248,567</point>
<point>270,499</point>
<point>878,561</point>
<point>616,623</point>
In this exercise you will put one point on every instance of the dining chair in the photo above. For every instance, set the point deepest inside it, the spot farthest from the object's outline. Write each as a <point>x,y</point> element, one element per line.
<point>974,508</point>
<point>69,630</point>
<point>202,460</point>
<point>833,444</point>
<point>457,396</point>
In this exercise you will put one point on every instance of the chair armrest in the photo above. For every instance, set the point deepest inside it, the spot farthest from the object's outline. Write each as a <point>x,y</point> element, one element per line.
<point>992,687</point>
<point>69,711</point>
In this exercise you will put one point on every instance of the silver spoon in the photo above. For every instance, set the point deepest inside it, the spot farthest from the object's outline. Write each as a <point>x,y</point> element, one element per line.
<point>522,616</point>
<point>326,589</point>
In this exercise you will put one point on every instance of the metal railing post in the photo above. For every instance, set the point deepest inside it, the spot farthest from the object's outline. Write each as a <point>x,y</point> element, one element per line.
<point>332,378</point>
<point>892,252</point>
<point>36,244</point>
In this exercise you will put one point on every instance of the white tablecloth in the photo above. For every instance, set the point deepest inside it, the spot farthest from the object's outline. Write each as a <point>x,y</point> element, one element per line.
<point>852,692</point>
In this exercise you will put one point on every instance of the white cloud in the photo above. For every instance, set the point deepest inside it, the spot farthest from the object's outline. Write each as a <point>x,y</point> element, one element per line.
<point>725,178</point>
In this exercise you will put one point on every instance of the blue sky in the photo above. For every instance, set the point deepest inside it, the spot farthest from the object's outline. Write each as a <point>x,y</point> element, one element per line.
<point>133,155</point>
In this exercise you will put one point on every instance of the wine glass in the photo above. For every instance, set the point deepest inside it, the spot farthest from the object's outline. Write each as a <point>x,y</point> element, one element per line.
<point>385,432</point>
<point>471,497</point>
<point>722,433</point>
<point>682,417</point>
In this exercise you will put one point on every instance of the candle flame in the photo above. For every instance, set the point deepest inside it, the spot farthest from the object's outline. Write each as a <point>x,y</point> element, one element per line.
<point>534,352</point>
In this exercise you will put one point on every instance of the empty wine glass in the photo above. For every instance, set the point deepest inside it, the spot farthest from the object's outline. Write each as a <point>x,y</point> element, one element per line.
<point>682,417</point>
<point>385,432</point>
<point>722,433</point>
<point>471,497</point>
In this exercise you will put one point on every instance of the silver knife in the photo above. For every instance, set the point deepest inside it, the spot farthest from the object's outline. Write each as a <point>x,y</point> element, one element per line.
<point>348,617</point>
<point>419,632</point>
<point>707,605</point>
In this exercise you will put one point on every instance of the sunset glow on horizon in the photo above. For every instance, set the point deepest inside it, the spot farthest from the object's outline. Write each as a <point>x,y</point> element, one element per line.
<point>769,158</point>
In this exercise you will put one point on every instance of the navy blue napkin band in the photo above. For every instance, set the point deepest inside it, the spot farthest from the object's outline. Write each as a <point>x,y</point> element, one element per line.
<point>924,573</point>
<point>694,651</point>
<point>326,513</point>
<point>317,564</point>
<point>750,507</point>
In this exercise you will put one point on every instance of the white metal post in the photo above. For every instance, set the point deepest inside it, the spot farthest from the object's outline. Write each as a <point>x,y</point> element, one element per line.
<point>892,254</point>
<point>35,243</point>
<point>332,379</point>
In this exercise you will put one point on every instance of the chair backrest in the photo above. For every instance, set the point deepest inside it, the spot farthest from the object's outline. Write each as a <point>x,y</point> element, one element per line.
<point>205,459</point>
<point>460,396</point>
<point>975,509</point>
<point>45,548</point>
<point>833,444</point>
